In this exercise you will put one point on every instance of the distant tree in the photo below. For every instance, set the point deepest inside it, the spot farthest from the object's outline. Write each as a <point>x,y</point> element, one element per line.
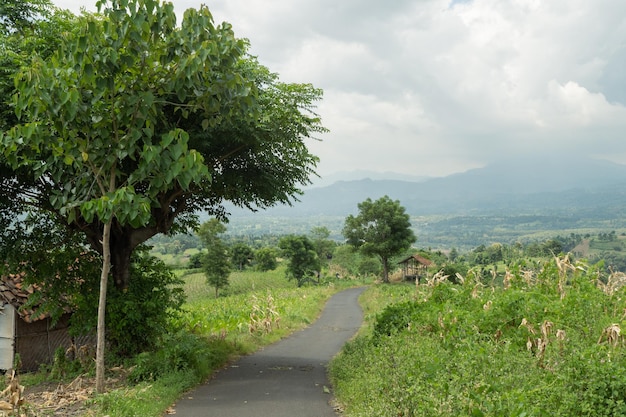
<point>241,255</point>
<point>323,245</point>
<point>216,261</point>
<point>195,260</point>
<point>382,228</point>
<point>304,264</point>
<point>552,247</point>
<point>265,258</point>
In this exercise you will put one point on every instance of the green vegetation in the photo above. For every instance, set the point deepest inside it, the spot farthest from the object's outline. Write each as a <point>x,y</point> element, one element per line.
<point>381,229</point>
<point>303,262</point>
<point>215,261</point>
<point>129,123</point>
<point>545,341</point>
<point>258,308</point>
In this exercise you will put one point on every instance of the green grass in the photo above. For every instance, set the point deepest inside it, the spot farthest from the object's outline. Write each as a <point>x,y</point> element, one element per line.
<point>222,326</point>
<point>240,282</point>
<point>210,332</point>
<point>462,350</point>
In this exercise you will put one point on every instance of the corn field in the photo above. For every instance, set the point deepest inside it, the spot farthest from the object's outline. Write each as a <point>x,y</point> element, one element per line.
<point>546,342</point>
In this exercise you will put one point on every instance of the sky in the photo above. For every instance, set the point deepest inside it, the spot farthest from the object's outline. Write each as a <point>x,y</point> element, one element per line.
<point>435,87</point>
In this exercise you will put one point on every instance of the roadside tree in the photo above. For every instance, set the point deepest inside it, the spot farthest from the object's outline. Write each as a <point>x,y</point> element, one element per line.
<point>382,228</point>
<point>135,124</point>
<point>324,246</point>
<point>304,264</point>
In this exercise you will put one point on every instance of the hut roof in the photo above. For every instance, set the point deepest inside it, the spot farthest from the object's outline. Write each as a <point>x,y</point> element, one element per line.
<point>418,258</point>
<point>14,291</point>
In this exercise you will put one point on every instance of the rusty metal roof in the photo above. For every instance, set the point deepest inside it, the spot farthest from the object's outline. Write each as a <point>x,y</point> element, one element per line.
<point>13,291</point>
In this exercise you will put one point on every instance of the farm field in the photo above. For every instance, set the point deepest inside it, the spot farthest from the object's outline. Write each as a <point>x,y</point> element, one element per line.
<point>545,342</point>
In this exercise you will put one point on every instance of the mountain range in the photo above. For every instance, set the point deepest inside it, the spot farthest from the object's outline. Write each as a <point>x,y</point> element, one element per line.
<point>509,187</point>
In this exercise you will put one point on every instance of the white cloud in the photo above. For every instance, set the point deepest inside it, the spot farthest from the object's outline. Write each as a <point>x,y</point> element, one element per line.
<point>432,87</point>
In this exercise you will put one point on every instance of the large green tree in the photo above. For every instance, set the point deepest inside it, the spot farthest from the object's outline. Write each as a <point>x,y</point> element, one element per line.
<point>134,124</point>
<point>145,123</point>
<point>381,228</point>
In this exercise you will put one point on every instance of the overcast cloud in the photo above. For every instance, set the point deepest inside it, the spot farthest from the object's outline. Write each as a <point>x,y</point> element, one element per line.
<point>433,87</point>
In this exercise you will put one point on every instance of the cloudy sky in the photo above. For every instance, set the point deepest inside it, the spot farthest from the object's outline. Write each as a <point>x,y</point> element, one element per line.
<point>434,87</point>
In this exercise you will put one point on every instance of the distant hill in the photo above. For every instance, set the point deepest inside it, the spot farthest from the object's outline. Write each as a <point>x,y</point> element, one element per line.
<point>510,186</point>
<point>326,180</point>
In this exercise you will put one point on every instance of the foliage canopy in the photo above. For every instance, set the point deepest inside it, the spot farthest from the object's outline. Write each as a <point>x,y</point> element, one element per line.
<point>139,121</point>
<point>303,262</point>
<point>382,228</point>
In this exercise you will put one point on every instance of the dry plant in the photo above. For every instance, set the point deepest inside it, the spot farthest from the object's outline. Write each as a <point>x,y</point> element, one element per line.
<point>612,335</point>
<point>15,393</point>
<point>538,345</point>
<point>397,276</point>
<point>476,290</point>
<point>560,336</point>
<point>508,277</point>
<point>437,279</point>
<point>529,277</point>
<point>263,317</point>
<point>565,266</point>
<point>615,282</point>
<point>546,329</point>
<point>528,326</point>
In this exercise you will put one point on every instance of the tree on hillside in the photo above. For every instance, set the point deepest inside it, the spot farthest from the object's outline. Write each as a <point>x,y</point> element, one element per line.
<point>265,258</point>
<point>382,228</point>
<point>241,255</point>
<point>323,245</point>
<point>134,124</point>
<point>216,260</point>
<point>303,262</point>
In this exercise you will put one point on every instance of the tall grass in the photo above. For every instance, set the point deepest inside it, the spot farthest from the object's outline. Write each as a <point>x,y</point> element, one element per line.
<point>544,343</point>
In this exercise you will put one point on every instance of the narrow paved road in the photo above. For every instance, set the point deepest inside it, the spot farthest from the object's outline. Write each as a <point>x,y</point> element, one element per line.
<point>286,379</point>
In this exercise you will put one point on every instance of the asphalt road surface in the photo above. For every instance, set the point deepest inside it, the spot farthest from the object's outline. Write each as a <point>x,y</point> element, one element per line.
<point>286,379</point>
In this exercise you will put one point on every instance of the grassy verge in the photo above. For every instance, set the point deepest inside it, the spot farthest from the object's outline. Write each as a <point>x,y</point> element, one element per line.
<point>258,309</point>
<point>546,342</point>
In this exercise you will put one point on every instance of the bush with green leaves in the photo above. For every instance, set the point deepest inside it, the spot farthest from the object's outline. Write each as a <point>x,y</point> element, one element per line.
<point>545,342</point>
<point>138,317</point>
<point>180,352</point>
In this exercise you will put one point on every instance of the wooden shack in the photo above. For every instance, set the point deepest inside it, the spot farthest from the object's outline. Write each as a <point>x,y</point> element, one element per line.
<point>415,267</point>
<point>35,337</point>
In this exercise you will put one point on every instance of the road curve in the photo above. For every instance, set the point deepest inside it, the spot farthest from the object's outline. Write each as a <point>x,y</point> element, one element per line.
<point>285,379</point>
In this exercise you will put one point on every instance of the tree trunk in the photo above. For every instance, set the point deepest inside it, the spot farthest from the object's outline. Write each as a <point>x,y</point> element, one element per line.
<point>101,337</point>
<point>121,251</point>
<point>385,269</point>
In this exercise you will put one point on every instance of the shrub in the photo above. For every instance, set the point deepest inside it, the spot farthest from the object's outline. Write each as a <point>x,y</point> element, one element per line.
<point>137,317</point>
<point>180,352</point>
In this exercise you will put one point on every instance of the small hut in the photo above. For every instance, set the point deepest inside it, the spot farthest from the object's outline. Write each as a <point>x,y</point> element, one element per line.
<point>34,337</point>
<point>415,267</point>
